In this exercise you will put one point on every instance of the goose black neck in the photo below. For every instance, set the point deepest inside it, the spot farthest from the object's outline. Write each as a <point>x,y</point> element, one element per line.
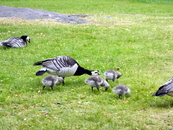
<point>81,71</point>
<point>24,38</point>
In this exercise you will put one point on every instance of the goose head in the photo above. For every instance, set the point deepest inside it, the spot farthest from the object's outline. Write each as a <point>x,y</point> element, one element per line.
<point>25,38</point>
<point>95,72</point>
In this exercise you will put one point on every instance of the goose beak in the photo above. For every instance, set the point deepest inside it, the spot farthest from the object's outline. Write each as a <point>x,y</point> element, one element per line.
<point>98,72</point>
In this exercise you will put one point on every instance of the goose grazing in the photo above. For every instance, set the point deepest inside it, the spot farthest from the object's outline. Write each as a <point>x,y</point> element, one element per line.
<point>16,42</point>
<point>112,75</point>
<point>63,66</point>
<point>97,81</point>
<point>51,81</point>
<point>121,90</point>
<point>166,88</point>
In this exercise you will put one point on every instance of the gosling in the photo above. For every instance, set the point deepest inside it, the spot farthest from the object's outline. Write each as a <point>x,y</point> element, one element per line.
<point>51,81</point>
<point>121,90</point>
<point>112,75</point>
<point>96,81</point>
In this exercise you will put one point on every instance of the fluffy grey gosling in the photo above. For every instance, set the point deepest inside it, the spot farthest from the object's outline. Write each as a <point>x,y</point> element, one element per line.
<point>166,88</point>
<point>112,75</point>
<point>121,90</point>
<point>51,81</point>
<point>96,81</point>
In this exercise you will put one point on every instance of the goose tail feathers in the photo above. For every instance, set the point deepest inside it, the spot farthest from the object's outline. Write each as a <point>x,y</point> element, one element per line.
<point>159,94</point>
<point>40,72</point>
<point>38,63</point>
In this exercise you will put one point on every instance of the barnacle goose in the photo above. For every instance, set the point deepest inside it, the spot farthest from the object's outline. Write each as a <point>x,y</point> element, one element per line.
<point>166,88</point>
<point>97,81</point>
<point>51,81</point>
<point>121,90</point>
<point>16,41</point>
<point>112,75</point>
<point>63,66</point>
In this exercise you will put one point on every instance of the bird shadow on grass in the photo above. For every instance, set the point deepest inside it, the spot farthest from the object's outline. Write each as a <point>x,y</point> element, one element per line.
<point>96,92</point>
<point>3,48</point>
<point>123,97</point>
<point>162,104</point>
<point>56,88</point>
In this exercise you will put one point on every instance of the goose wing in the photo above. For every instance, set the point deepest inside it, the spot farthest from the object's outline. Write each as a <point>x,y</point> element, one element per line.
<point>57,63</point>
<point>66,61</point>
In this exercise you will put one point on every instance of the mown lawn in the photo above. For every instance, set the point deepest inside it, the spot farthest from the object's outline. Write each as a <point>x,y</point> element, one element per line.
<point>137,37</point>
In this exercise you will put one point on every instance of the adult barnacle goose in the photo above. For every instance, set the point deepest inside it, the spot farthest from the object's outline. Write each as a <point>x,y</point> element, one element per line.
<point>166,88</point>
<point>112,75</point>
<point>97,81</point>
<point>63,66</point>
<point>16,41</point>
<point>51,81</point>
<point>121,90</point>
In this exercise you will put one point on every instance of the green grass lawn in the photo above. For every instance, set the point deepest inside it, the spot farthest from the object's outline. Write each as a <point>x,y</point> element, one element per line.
<point>138,38</point>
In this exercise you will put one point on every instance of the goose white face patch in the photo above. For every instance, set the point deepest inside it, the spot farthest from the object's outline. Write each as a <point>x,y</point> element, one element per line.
<point>28,38</point>
<point>95,73</point>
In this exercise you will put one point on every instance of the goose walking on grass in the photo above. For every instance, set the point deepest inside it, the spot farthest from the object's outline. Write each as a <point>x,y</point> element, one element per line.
<point>63,66</point>
<point>97,81</point>
<point>51,81</point>
<point>112,75</point>
<point>16,41</point>
<point>121,90</point>
<point>166,88</point>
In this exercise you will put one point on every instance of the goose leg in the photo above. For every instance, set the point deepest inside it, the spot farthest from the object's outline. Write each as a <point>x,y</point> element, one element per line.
<point>63,81</point>
<point>92,88</point>
<point>98,88</point>
<point>52,87</point>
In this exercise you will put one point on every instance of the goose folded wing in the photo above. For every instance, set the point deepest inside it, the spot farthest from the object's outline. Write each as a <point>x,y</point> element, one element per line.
<point>71,62</point>
<point>50,64</point>
<point>65,61</point>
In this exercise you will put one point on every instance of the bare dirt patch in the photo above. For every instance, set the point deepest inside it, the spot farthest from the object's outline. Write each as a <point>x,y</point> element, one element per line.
<point>33,14</point>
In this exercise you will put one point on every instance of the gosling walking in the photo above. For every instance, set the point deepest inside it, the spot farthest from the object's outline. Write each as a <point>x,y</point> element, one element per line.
<point>112,75</point>
<point>51,81</point>
<point>97,81</point>
<point>121,90</point>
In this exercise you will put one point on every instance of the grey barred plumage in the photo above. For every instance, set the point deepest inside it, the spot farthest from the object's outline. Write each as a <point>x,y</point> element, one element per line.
<point>16,42</point>
<point>121,90</point>
<point>166,88</point>
<point>63,66</point>
<point>97,81</point>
